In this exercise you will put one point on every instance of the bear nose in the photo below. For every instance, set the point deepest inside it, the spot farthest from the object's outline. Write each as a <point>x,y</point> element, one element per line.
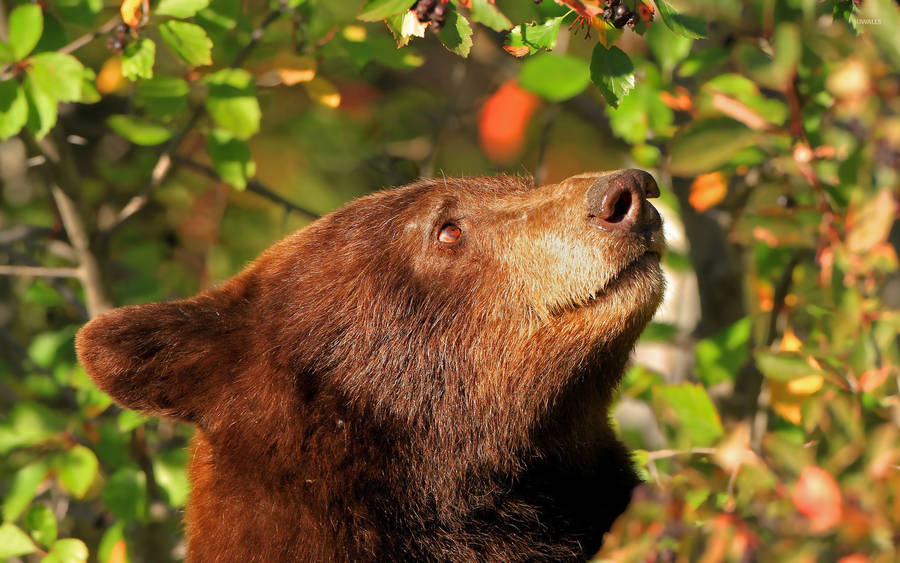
<point>618,202</point>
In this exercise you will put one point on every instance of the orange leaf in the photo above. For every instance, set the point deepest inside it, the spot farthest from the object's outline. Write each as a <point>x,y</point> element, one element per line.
<point>818,497</point>
<point>118,553</point>
<point>516,51</point>
<point>110,78</point>
<point>132,12</point>
<point>707,190</point>
<point>503,120</point>
<point>873,379</point>
<point>323,92</point>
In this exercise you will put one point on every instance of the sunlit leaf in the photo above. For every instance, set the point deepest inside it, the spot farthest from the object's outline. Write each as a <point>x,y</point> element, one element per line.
<point>696,415</point>
<point>13,109</point>
<point>41,523</point>
<point>14,542</point>
<point>189,41</point>
<point>486,13</point>
<point>232,102</point>
<point>137,60</point>
<point>26,23</point>
<point>682,24</point>
<point>375,10</point>
<point>179,8</point>
<point>139,131</point>
<point>612,72</point>
<point>555,77</point>
<point>230,158</point>
<point>456,35</point>
<point>77,469</point>
<point>526,39</point>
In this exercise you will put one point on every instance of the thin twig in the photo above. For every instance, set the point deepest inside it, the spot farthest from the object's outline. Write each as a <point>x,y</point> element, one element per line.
<point>88,37</point>
<point>62,183</point>
<point>39,271</point>
<point>661,454</point>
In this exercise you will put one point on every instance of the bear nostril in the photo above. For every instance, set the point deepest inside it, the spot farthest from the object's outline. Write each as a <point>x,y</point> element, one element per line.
<point>621,207</point>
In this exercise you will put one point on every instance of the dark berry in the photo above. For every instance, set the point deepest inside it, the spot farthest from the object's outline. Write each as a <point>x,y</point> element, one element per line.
<point>621,10</point>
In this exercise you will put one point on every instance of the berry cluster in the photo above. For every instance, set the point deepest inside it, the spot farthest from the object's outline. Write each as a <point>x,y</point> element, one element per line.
<point>431,12</point>
<point>119,38</point>
<point>618,14</point>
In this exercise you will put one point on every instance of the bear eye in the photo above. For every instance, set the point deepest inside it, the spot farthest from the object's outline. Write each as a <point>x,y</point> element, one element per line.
<point>450,234</point>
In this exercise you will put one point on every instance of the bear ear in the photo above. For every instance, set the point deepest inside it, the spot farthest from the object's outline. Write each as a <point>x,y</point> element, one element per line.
<point>171,359</point>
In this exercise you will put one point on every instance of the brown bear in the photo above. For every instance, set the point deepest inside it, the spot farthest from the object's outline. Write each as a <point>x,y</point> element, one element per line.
<point>422,375</point>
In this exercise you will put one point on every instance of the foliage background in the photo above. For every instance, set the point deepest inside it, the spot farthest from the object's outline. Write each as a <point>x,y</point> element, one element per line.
<point>763,406</point>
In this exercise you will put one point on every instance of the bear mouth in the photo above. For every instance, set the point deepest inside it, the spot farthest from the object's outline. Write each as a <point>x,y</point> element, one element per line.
<point>638,268</point>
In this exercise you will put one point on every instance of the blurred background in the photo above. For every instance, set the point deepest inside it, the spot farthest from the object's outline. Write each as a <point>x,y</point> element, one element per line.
<point>151,149</point>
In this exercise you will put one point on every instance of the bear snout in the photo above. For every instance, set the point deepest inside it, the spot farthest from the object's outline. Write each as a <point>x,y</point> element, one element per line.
<point>618,202</point>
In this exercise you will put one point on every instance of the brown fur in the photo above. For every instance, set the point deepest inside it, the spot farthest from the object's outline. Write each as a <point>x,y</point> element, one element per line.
<point>363,393</point>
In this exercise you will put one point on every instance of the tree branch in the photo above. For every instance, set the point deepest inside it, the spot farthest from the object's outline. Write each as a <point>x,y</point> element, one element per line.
<point>62,183</point>
<point>253,185</point>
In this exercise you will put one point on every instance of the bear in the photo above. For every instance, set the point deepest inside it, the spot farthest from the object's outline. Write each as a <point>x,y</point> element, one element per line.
<point>422,375</point>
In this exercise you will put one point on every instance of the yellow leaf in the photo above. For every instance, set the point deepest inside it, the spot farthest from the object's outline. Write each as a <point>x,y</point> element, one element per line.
<point>707,190</point>
<point>806,385</point>
<point>871,222</point>
<point>323,92</point>
<point>790,342</point>
<point>132,11</point>
<point>301,69</point>
<point>110,78</point>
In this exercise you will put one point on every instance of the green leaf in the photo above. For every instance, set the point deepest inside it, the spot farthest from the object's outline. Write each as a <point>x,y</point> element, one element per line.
<point>26,23</point>
<point>687,26</point>
<point>58,75</point>
<point>41,522</point>
<point>376,10</point>
<point>705,145</point>
<point>163,96</point>
<point>486,13</point>
<point>659,332</point>
<point>6,53</point>
<point>13,109</point>
<point>231,158</point>
<point>34,423</point>
<point>89,92</point>
<point>110,538</point>
<point>21,491</point>
<point>719,357</point>
<point>189,41</point>
<point>180,8</point>
<point>668,48</point>
<point>125,494</point>
<point>555,77</point>
<point>137,60</point>
<point>642,113</point>
<point>232,102</point>
<point>69,550</point>
<point>612,73</point>
<point>534,36</point>
<point>128,420</point>
<point>456,35</point>
<point>77,469</point>
<point>695,413</point>
<point>14,542</point>
<point>139,131</point>
<point>703,60</point>
<point>783,366</point>
<point>171,476</point>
